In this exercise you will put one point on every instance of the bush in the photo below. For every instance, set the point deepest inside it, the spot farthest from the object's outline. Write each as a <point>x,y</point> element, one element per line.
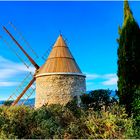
<point>112,123</point>
<point>98,99</point>
<point>14,121</point>
<point>136,112</point>
<point>8,103</point>
<point>64,122</point>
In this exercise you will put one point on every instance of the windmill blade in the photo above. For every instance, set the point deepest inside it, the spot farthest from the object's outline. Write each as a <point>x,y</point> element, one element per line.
<point>45,55</point>
<point>26,54</point>
<point>28,94</point>
<point>23,92</point>
<point>14,51</point>
<point>20,89</point>
<point>22,38</point>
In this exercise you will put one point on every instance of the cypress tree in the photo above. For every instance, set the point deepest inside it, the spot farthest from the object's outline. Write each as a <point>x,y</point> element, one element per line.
<point>128,59</point>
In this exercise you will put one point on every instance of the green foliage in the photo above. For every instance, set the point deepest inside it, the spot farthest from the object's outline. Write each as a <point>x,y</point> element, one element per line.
<point>136,112</point>
<point>72,106</point>
<point>128,59</point>
<point>8,103</point>
<point>64,122</point>
<point>109,124</point>
<point>98,99</point>
<point>14,122</point>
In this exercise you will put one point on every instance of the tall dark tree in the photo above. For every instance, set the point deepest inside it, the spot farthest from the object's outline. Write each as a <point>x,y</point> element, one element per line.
<point>128,59</point>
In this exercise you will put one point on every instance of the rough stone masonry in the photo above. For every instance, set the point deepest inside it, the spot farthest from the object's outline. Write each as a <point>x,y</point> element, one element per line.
<point>58,89</point>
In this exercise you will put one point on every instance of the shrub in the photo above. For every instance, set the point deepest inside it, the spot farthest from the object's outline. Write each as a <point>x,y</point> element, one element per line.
<point>63,122</point>
<point>14,122</point>
<point>112,123</point>
<point>98,99</point>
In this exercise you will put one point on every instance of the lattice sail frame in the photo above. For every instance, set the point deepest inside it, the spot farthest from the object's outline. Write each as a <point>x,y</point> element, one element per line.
<point>26,90</point>
<point>20,88</point>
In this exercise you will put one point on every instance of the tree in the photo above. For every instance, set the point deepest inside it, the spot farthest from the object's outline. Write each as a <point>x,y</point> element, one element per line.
<point>128,59</point>
<point>8,103</point>
<point>98,99</point>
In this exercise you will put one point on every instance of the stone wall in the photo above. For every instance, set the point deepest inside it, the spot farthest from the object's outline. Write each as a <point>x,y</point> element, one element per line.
<point>53,89</point>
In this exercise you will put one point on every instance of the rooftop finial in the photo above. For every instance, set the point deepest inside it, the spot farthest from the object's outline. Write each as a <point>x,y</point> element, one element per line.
<point>60,33</point>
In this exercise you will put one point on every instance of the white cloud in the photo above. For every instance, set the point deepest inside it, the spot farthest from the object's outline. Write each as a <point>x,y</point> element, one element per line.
<point>92,76</point>
<point>8,84</point>
<point>10,69</point>
<point>110,81</point>
<point>110,75</point>
<point>7,73</point>
<point>8,64</point>
<point>107,79</point>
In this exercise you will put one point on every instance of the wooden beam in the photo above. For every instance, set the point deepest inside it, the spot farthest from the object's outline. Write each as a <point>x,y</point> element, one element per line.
<point>30,59</point>
<point>23,92</point>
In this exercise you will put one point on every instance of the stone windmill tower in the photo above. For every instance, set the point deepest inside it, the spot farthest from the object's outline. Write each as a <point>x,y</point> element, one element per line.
<point>59,79</point>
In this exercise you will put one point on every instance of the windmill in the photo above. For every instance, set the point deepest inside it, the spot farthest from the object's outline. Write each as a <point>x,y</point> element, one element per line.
<point>58,80</point>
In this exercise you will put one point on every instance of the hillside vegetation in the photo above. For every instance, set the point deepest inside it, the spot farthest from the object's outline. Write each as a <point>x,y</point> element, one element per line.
<point>102,119</point>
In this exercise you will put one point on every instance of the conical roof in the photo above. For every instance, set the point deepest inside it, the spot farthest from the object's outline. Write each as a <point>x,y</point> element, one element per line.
<point>60,60</point>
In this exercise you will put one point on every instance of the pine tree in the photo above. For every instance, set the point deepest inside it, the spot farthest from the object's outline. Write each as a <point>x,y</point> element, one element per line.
<point>128,59</point>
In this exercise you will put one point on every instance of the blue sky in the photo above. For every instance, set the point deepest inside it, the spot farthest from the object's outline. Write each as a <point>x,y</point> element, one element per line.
<point>90,30</point>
